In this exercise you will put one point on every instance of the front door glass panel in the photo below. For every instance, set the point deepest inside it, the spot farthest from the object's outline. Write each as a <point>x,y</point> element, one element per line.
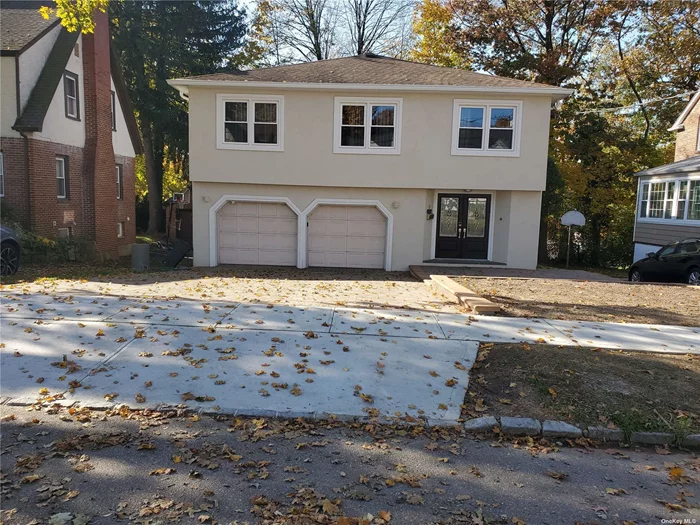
<point>449,216</point>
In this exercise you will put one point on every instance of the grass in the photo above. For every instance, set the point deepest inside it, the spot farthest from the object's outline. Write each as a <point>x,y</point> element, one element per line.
<point>632,391</point>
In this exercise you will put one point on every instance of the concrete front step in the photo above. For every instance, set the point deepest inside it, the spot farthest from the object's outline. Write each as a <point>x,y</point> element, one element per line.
<point>449,287</point>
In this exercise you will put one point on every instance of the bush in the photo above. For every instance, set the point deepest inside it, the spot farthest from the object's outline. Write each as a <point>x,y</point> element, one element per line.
<point>42,250</point>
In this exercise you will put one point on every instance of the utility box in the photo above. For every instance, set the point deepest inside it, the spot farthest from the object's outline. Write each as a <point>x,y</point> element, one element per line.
<point>140,257</point>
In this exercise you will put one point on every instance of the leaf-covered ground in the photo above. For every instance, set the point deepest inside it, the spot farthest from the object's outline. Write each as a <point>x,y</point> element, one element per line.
<point>63,466</point>
<point>634,391</point>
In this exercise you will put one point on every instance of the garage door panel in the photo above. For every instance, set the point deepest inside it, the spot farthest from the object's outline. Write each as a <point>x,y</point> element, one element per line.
<point>257,233</point>
<point>346,236</point>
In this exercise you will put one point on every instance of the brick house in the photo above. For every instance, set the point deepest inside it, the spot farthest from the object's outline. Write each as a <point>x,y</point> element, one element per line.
<point>68,136</point>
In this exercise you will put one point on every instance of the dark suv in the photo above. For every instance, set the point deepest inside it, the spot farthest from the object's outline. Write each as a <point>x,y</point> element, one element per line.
<point>678,261</point>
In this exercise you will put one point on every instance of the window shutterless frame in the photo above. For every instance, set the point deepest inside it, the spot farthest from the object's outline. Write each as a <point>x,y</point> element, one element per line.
<point>114,110</point>
<point>500,121</point>
<point>669,201</point>
<point>120,181</point>
<point>379,117</point>
<point>62,177</point>
<point>253,126</point>
<point>71,94</point>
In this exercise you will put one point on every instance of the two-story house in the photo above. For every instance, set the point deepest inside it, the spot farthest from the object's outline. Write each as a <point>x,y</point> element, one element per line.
<point>366,162</point>
<point>68,136</point>
<point>668,196</point>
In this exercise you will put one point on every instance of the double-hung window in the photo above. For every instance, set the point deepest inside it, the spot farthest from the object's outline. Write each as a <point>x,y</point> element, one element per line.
<point>120,181</point>
<point>489,128</point>
<point>251,122</point>
<point>2,174</point>
<point>62,177</point>
<point>364,125</point>
<point>670,200</point>
<point>71,93</point>
<point>114,110</point>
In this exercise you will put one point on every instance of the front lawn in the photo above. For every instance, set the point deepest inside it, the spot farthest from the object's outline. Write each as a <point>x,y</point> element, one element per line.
<point>619,302</point>
<point>633,391</point>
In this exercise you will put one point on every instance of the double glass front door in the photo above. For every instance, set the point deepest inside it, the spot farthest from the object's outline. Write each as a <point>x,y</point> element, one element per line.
<point>463,226</point>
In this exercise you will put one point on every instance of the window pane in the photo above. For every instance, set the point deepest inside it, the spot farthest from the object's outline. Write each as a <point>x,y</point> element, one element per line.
<point>236,112</point>
<point>382,115</point>
<point>72,106</point>
<point>70,87</point>
<point>449,210</point>
<point>265,133</point>
<point>470,138</point>
<point>668,209</point>
<point>476,217</point>
<point>350,136</point>
<point>382,137</point>
<point>645,191</point>
<point>353,115</point>
<point>694,200</point>
<point>502,117</point>
<point>501,139</point>
<point>61,187</point>
<point>265,112</point>
<point>656,198</point>
<point>471,118</point>
<point>643,209</point>
<point>236,132</point>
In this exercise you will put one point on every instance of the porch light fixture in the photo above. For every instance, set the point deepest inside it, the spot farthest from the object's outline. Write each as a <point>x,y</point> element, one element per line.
<point>430,214</point>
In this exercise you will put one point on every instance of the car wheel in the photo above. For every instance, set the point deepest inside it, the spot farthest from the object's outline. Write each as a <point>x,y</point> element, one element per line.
<point>694,276</point>
<point>636,275</point>
<point>9,259</point>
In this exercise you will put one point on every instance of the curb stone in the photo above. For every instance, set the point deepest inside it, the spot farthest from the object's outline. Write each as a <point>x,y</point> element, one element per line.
<point>693,440</point>
<point>521,426</point>
<point>652,438</point>
<point>552,428</point>
<point>605,434</point>
<point>481,424</point>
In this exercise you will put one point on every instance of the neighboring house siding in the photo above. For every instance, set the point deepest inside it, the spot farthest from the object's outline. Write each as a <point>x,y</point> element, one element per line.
<point>8,100</point>
<point>32,61</point>
<point>425,160</point>
<point>659,234</point>
<point>121,140</point>
<point>687,139</point>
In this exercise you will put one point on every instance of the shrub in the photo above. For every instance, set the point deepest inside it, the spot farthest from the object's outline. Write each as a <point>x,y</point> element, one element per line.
<point>42,250</point>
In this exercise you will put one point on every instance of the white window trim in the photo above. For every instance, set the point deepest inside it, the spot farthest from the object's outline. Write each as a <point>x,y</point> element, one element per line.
<point>2,174</point>
<point>120,230</point>
<point>368,102</point>
<point>63,172</point>
<point>674,209</point>
<point>459,103</point>
<point>71,77</point>
<point>222,98</point>
<point>120,177</point>
<point>113,97</point>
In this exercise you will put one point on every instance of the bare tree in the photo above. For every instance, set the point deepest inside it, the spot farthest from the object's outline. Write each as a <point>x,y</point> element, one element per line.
<point>309,27</point>
<point>371,23</point>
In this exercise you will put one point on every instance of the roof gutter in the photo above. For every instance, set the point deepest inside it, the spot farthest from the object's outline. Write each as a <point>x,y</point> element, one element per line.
<point>183,85</point>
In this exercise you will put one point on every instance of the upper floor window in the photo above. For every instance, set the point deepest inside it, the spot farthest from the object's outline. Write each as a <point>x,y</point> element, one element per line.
<point>61,177</point>
<point>114,110</point>
<point>670,200</point>
<point>489,128</point>
<point>2,174</point>
<point>252,122</point>
<point>364,125</point>
<point>120,181</point>
<point>72,95</point>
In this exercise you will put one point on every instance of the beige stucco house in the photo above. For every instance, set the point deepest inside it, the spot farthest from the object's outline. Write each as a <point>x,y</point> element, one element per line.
<point>366,162</point>
<point>668,196</point>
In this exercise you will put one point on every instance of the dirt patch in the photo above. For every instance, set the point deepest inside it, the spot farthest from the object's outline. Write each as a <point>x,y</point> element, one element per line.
<point>590,301</point>
<point>633,391</point>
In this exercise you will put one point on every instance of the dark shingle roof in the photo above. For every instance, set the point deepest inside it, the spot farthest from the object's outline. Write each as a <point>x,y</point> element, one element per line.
<point>690,165</point>
<point>21,24</point>
<point>32,118</point>
<point>371,69</point>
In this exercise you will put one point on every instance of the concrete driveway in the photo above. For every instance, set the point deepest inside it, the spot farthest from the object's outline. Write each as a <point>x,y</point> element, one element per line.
<point>234,358</point>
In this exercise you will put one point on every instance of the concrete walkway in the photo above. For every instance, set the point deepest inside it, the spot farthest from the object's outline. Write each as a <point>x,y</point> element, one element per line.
<point>259,359</point>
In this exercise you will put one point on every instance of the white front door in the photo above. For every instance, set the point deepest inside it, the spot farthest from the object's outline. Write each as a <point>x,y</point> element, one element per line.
<point>257,233</point>
<point>346,236</point>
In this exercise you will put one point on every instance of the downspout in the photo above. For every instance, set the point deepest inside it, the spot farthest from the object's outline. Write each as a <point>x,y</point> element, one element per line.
<point>26,146</point>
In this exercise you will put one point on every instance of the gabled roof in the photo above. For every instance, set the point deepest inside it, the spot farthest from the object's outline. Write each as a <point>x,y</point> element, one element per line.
<point>32,118</point>
<point>678,124</point>
<point>21,25</point>
<point>691,165</point>
<point>374,70</point>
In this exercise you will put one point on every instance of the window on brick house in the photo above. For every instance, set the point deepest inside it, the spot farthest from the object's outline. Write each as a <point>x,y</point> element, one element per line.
<point>120,181</point>
<point>2,174</point>
<point>71,94</point>
<point>61,177</point>
<point>114,111</point>
<point>120,230</point>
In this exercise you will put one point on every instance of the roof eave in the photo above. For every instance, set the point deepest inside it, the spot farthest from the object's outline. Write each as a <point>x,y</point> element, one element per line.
<point>678,124</point>
<point>556,93</point>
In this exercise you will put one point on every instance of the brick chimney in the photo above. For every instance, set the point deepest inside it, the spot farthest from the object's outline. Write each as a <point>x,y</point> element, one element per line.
<point>99,178</point>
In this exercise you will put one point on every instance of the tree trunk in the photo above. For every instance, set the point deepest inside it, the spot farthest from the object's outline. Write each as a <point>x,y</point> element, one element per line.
<point>153,179</point>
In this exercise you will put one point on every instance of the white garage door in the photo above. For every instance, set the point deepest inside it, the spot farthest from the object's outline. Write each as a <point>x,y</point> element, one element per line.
<point>347,237</point>
<point>257,233</point>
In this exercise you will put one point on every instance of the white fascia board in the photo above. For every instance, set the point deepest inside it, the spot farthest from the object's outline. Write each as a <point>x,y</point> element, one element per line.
<point>678,124</point>
<point>182,85</point>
